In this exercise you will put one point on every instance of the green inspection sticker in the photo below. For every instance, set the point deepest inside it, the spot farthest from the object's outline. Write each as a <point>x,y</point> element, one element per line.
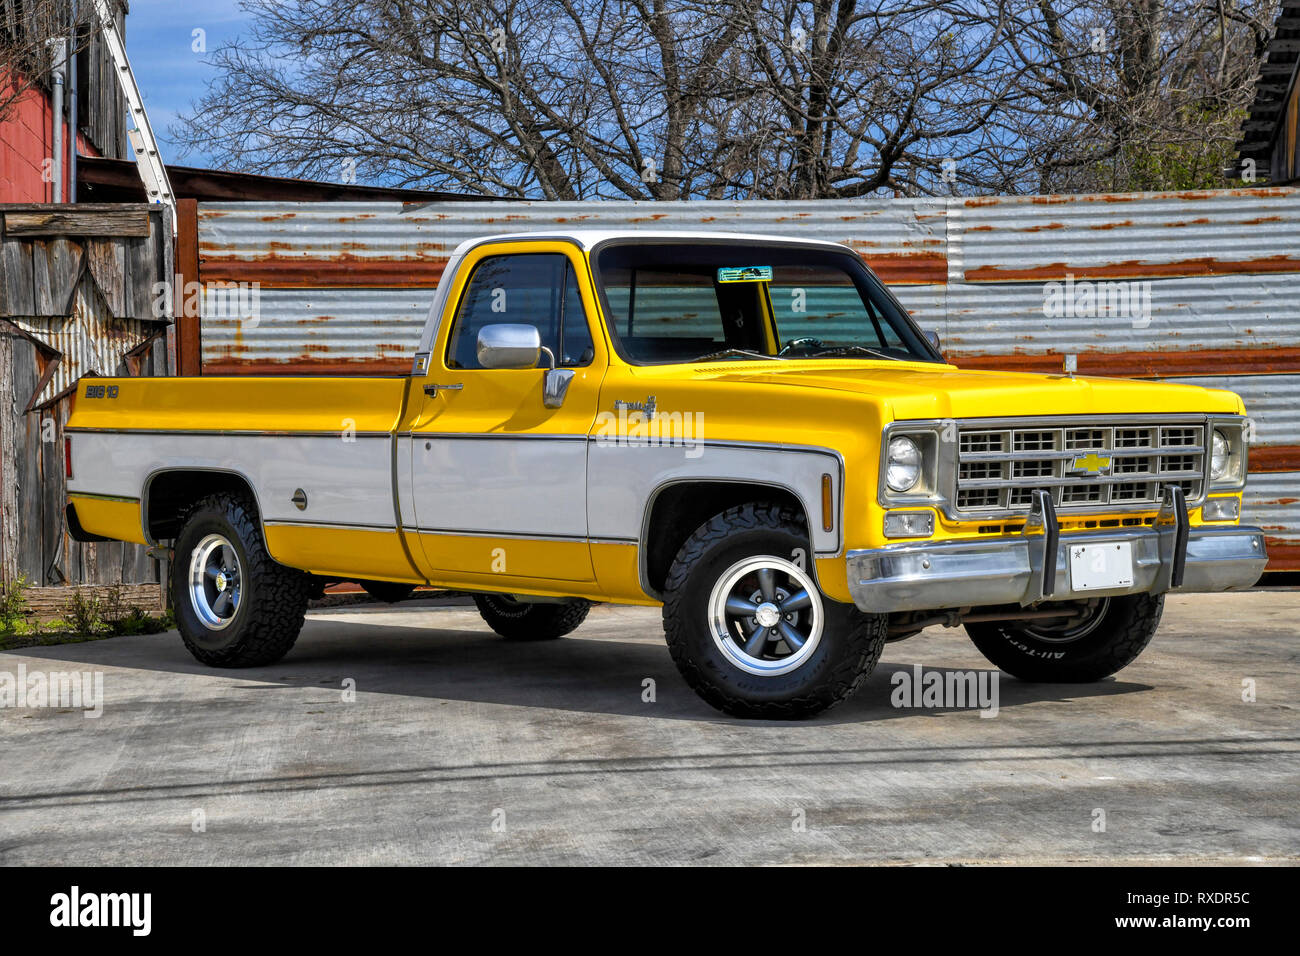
<point>745,274</point>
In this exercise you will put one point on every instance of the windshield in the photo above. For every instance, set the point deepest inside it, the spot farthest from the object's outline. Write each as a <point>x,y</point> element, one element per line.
<point>687,302</point>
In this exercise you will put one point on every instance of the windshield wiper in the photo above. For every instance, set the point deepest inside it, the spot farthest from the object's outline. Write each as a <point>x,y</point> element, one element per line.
<point>735,353</point>
<point>854,350</point>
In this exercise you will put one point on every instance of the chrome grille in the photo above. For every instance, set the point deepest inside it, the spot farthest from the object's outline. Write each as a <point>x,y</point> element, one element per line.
<point>1086,466</point>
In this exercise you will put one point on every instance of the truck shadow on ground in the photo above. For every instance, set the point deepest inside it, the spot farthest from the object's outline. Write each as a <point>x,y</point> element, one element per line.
<point>584,674</point>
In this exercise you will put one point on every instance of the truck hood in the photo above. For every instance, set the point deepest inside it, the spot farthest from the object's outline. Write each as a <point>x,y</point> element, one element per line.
<point>927,391</point>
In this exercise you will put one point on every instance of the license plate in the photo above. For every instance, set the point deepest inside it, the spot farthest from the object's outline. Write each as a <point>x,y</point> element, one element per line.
<point>1096,567</point>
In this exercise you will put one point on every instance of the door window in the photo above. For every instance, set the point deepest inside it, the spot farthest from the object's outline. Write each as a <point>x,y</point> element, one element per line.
<point>537,289</point>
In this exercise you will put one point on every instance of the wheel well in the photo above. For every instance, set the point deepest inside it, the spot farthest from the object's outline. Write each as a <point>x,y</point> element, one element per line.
<point>680,509</point>
<point>170,494</point>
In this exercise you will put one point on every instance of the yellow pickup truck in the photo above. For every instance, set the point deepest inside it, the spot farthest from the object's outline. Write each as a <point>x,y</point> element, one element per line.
<point>749,431</point>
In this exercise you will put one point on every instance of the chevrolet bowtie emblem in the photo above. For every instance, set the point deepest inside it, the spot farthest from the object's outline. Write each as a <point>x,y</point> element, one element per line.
<point>1090,464</point>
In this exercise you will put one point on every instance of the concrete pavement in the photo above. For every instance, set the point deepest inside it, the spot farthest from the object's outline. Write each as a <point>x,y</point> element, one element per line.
<point>459,747</point>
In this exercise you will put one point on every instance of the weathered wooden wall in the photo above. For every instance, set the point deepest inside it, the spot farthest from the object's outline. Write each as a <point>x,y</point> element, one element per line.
<point>33,539</point>
<point>76,298</point>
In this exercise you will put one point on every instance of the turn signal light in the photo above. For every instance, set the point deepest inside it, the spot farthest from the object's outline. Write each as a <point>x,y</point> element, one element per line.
<point>828,504</point>
<point>909,524</point>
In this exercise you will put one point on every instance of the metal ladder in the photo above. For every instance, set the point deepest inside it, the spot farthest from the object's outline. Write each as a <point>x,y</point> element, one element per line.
<point>153,173</point>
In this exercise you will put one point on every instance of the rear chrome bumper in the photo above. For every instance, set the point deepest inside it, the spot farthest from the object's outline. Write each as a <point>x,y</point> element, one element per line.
<point>1169,556</point>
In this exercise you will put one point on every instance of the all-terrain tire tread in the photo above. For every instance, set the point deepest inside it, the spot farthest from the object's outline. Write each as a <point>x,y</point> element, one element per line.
<point>277,604</point>
<point>865,634</point>
<point>1124,646</point>
<point>538,622</point>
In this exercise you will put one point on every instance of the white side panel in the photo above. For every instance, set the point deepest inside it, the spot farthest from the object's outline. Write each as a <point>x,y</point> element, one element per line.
<point>347,482</point>
<point>500,485</point>
<point>621,479</point>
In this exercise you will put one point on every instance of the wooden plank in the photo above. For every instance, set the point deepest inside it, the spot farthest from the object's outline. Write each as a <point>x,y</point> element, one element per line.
<point>46,366</point>
<point>107,263</point>
<point>141,275</point>
<point>76,562</point>
<point>66,259</point>
<point>42,293</point>
<point>108,563</point>
<point>56,264</point>
<point>52,493</point>
<point>16,284</point>
<point>89,558</point>
<point>106,224</point>
<point>27,452</point>
<point>8,473</point>
<point>137,567</point>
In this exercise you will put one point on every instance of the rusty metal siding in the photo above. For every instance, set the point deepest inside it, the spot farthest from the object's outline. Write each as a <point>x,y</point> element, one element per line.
<point>1272,502</point>
<point>1192,314</point>
<point>298,244</point>
<point>366,330</point>
<point>1272,405</point>
<point>1129,235</point>
<point>344,286</point>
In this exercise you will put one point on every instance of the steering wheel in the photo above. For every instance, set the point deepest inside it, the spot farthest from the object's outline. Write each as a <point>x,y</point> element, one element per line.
<point>802,343</point>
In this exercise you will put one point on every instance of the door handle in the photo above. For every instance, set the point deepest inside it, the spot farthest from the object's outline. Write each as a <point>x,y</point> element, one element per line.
<point>433,389</point>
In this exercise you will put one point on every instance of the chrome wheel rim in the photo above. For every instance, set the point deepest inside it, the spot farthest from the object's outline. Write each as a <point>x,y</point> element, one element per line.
<point>766,615</point>
<point>1073,628</point>
<point>216,582</point>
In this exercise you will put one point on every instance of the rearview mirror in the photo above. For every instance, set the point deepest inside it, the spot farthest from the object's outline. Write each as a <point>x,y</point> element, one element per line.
<point>932,337</point>
<point>509,346</point>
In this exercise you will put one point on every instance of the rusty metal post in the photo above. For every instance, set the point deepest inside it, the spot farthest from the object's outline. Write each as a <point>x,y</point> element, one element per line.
<point>189,340</point>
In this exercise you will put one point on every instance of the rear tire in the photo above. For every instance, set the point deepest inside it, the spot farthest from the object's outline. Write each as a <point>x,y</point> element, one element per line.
<point>1073,653</point>
<point>235,606</point>
<point>521,621</point>
<point>749,629</point>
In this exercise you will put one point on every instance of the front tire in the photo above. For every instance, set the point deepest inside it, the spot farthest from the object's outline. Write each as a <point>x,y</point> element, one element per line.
<point>523,621</point>
<point>749,629</point>
<point>1113,632</point>
<point>235,606</point>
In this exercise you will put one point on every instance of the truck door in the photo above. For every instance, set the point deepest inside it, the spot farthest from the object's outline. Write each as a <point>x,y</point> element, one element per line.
<point>498,480</point>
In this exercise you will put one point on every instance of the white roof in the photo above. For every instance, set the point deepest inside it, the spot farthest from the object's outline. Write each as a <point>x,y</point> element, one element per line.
<point>588,238</point>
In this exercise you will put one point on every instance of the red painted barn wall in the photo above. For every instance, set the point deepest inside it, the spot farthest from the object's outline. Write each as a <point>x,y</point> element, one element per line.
<point>25,143</point>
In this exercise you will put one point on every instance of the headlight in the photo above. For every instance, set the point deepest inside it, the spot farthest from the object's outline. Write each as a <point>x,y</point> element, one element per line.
<point>903,466</point>
<point>1220,455</point>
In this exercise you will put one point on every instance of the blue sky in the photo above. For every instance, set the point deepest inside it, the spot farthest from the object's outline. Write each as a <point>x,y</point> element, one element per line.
<point>159,41</point>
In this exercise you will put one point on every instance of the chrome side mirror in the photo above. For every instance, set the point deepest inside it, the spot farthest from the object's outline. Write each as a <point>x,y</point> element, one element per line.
<point>509,346</point>
<point>520,346</point>
<point>932,337</point>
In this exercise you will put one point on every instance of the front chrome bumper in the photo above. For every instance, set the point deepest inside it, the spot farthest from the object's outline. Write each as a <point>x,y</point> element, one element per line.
<point>1169,556</point>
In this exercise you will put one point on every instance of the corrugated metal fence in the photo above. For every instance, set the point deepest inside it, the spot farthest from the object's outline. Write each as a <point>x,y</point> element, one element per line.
<point>1195,286</point>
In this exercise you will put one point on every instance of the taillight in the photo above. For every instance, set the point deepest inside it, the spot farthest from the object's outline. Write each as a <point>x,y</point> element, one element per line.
<point>67,456</point>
